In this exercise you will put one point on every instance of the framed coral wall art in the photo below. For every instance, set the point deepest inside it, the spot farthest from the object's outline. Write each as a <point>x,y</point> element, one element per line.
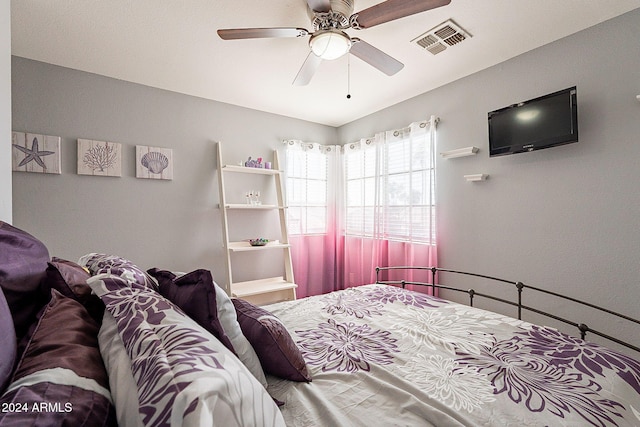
<point>154,162</point>
<point>32,152</point>
<point>99,158</point>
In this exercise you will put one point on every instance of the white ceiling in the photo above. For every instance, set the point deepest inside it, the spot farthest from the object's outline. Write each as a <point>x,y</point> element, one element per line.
<point>173,45</point>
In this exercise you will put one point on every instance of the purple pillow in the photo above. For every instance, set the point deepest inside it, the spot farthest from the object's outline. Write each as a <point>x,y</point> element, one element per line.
<point>7,343</point>
<point>195,294</point>
<point>63,348</point>
<point>23,262</point>
<point>70,280</point>
<point>65,337</point>
<point>278,353</point>
<point>71,406</point>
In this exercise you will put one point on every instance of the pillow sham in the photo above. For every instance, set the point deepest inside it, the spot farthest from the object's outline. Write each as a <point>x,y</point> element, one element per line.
<point>70,280</point>
<point>103,263</point>
<point>278,353</point>
<point>183,374</point>
<point>23,261</point>
<point>61,367</point>
<point>194,293</point>
<point>123,387</point>
<point>242,348</point>
<point>229,321</point>
<point>8,345</point>
<point>55,404</point>
<point>65,337</point>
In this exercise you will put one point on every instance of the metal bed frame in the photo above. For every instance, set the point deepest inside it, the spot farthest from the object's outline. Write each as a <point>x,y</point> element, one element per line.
<point>519,287</point>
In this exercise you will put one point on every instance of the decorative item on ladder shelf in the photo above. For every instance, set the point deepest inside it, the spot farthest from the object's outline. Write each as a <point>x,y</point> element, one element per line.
<point>253,197</point>
<point>258,242</point>
<point>254,163</point>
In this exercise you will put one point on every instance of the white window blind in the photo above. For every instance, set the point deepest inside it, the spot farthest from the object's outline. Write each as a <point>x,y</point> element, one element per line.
<point>390,187</point>
<point>306,188</point>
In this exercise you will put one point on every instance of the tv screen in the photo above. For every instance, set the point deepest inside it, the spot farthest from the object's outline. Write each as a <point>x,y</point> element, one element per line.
<point>542,122</point>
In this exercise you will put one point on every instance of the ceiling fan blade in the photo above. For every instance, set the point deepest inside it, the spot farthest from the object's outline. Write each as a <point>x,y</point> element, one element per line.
<point>307,70</point>
<point>259,33</point>
<point>392,9</point>
<point>319,5</point>
<point>375,57</point>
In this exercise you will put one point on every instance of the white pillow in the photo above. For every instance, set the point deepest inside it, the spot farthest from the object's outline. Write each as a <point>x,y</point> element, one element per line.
<point>229,321</point>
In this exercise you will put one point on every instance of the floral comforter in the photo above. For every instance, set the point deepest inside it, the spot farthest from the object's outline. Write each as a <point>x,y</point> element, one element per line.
<point>383,356</point>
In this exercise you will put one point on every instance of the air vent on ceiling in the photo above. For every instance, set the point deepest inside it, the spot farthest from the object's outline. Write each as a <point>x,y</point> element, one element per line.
<point>442,36</point>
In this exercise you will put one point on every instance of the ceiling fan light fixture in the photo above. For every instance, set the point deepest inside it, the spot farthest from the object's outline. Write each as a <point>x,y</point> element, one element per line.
<point>330,44</point>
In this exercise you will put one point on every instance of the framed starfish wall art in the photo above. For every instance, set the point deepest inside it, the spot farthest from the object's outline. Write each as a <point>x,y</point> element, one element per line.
<point>154,162</point>
<point>99,158</point>
<point>37,153</point>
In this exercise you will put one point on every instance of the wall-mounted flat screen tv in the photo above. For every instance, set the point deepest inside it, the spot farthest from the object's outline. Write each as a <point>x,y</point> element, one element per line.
<point>539,123</point>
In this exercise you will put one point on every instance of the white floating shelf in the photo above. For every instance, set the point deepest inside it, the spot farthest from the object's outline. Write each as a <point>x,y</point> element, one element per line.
<point>460,152</point>
<point>476,177</point>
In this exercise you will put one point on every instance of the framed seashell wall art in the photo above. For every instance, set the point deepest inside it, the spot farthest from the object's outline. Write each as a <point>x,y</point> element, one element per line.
<point>154,162</point>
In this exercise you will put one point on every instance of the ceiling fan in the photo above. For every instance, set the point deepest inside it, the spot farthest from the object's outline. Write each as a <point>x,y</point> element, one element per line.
<point>330,19</point>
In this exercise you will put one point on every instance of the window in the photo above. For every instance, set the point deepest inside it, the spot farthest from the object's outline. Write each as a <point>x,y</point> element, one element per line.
<point>361,193</point>
<point>390,188</point>
<point>306,168</point>
<point>354,207</point>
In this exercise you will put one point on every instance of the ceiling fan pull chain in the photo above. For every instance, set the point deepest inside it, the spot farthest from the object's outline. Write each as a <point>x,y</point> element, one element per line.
<point>348,76</point>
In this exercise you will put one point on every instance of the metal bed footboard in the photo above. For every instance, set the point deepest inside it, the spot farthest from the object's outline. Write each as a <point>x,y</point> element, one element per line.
<point>519,287</point>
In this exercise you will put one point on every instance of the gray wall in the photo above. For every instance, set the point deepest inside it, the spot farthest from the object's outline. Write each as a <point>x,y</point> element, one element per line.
<point>169,224</point>
<point>5,111</point>
<point>565,218</point>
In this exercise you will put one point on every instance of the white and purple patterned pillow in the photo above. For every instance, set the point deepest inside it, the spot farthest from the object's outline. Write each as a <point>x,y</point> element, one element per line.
<point>202,312</point>
<point>183,374</point>
<point>195,294</point>
<point>118,266</point>
<point>123,387</point>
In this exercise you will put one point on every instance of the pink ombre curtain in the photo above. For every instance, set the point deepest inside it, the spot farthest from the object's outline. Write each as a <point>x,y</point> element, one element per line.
<point>314,200</point>
<point>390,204</point>
<point>365,205</point>
<point>363,255</point>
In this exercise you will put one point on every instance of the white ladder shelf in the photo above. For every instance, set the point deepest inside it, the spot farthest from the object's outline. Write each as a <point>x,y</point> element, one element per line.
<point>262,290</point>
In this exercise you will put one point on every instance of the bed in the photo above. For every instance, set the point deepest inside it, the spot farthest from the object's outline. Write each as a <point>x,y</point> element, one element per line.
<point>101,342</point>
<point>381,355</point>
